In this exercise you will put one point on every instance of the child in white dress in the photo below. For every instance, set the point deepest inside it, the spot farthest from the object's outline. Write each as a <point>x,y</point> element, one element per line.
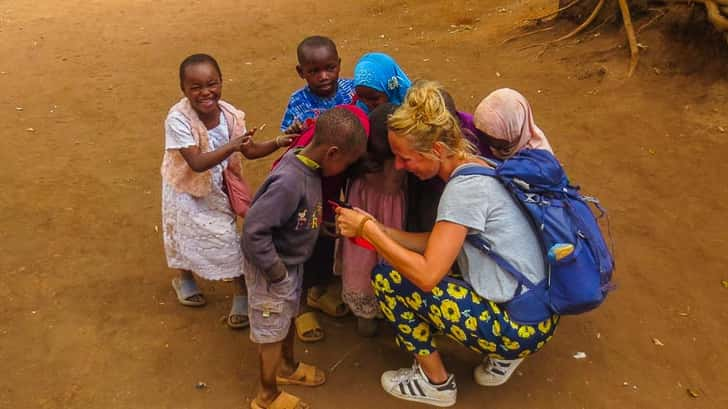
<point>203,136</point>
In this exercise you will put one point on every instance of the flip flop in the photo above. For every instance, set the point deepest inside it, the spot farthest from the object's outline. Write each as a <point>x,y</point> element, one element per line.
<point>240,309</point>
<point>329,303</point>
<point>282,401</point>
<point>185,289</point>
<point>304,375</point>
<point>307,324</point>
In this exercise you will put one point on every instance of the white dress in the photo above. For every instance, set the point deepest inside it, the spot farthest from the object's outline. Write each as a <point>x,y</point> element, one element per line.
<point>200,234</point>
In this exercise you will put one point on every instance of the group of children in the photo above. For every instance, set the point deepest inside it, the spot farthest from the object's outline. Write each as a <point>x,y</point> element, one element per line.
<point>335,131</point>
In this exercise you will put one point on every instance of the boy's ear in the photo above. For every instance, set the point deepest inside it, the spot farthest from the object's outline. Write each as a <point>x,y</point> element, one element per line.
<point>299,70</point>
<point>332,151</point>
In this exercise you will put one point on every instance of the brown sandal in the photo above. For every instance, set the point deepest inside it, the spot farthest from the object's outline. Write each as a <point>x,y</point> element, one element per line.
<point>283,401</point>
<point>304,375</point>
<point>308,328</point>
<point>329,303</point>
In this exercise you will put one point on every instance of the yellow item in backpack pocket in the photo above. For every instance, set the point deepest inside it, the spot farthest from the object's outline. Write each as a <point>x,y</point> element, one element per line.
<point>560,251</point>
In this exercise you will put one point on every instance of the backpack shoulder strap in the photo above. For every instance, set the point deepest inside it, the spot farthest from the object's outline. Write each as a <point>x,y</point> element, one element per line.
<point>480,243</point>
<point>483,246</point>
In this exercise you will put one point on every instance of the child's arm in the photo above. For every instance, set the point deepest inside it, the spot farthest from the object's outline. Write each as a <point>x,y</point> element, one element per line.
<point>254,150</point>
<point>276,202</point>
<point>201,161</point>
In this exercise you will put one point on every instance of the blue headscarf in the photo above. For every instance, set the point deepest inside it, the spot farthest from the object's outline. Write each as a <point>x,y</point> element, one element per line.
<point>381,73</point>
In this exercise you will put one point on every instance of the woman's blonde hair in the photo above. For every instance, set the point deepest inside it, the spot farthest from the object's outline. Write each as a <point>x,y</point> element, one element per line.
<point>423,119</point>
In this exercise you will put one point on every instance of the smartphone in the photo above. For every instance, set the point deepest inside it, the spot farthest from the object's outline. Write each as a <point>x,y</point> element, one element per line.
<point>359,241</point>
<point>334,203</point>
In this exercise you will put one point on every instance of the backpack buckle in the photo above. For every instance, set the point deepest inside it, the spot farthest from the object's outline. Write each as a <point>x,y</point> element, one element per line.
<point>521,184</point>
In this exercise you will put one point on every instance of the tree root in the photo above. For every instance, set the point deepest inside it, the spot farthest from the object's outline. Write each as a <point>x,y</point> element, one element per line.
<point>583,25</point>
<point>718,20</point>
<point>714,9</point>
<point>574,32</point>
<point>515,37</point>
<point>553,13</point>
<point>631,37</point>
<point>660,14</point>
<point>717,11</point>
<point>607,20</point>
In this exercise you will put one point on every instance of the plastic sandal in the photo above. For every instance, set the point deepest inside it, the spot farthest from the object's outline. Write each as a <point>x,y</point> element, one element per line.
<point>306,325</point>
<point>239,308</point>
<point>283,401</point>
<point>186,289</point>
<point>304,375</point>
<point>329,303</point>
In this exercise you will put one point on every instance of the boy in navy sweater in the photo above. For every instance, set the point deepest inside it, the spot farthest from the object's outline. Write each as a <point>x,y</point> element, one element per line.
<point>279,234</point>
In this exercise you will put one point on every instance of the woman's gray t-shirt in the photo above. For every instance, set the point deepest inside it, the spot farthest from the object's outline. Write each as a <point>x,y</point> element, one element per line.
<point>484,206</point>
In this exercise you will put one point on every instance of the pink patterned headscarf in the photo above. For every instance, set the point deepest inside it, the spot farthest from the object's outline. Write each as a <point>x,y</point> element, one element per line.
<point>505,114</point>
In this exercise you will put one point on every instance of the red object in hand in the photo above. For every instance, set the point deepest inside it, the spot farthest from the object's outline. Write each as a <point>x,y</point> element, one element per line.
<point>359,241</point>
<point>362,242</point>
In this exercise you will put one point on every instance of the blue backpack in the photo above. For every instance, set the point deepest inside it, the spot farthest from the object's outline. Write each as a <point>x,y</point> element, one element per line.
<point>578,261</point>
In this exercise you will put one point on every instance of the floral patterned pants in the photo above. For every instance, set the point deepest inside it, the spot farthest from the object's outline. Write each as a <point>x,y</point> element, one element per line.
<point>453,308</point>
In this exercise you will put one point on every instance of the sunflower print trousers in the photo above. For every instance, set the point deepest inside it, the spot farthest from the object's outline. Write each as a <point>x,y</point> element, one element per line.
<point>454,309</point>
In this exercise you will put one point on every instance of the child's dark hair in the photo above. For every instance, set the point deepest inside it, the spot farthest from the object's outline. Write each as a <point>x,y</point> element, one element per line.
<point>195,59</point>
<point>314,42</point>
<point>378,144</point>
<point>378,149</point>
<point>449,103</point>
<point>339,127</point>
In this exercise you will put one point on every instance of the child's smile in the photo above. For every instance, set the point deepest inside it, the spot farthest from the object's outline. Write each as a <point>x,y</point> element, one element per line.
<point>202,85</point>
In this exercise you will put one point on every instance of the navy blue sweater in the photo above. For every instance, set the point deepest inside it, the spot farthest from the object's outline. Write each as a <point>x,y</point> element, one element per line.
<point>282,224</point>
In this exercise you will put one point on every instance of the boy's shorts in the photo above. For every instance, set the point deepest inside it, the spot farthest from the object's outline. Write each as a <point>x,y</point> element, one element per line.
<point>272,306</point>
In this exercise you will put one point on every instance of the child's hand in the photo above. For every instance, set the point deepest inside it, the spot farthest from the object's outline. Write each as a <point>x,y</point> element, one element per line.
<point>295,128</point>
<point>252,132</point>
<point>285,140</point>
<point>237,143</point>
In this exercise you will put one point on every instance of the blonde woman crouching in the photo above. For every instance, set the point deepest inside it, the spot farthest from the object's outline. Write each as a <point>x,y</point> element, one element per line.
<point>415,292</point>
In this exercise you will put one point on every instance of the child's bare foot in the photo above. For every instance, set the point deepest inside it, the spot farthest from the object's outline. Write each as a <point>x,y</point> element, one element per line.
<point>281,401</point>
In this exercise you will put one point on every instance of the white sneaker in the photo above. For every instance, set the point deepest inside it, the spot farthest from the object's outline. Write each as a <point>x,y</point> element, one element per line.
<point>412,384</point>
<point>494,372</point>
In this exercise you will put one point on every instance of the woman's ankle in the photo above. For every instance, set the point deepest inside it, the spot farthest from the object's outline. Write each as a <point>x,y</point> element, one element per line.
<point>433,368</point>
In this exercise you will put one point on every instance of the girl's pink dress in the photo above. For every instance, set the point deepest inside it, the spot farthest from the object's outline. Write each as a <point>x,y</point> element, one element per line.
<point>382,195</point>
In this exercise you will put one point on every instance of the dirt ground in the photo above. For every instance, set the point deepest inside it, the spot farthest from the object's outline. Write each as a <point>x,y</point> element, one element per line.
<point>89,320</point>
